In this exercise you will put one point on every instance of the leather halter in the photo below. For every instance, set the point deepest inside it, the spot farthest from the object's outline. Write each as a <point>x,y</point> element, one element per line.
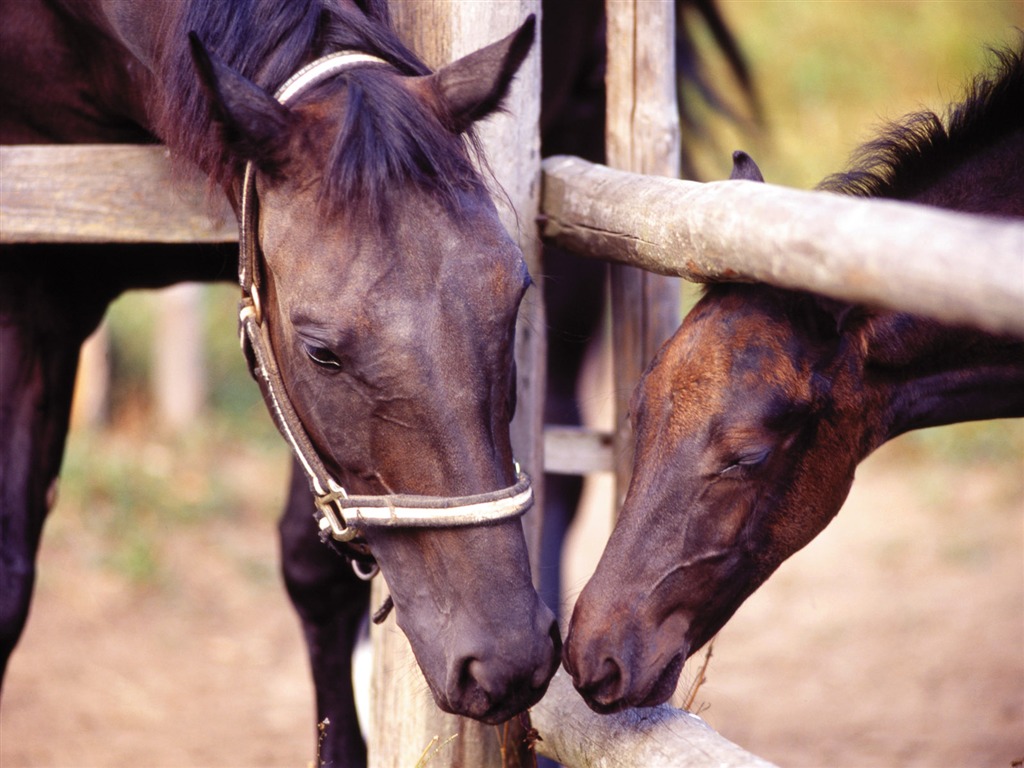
<point>340,516</point>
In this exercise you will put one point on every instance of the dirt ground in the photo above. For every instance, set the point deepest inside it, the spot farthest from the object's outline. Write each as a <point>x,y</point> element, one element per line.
<point>895,639</point>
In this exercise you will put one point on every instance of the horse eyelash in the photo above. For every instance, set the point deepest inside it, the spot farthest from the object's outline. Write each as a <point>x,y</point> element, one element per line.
<point>741,462</point>
<point>322,356</point>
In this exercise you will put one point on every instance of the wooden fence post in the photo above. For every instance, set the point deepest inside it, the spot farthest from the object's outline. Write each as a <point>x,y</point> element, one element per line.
<point>837,245</point>
<point>642,136</point>
<point>646,737</point>
<point>406,724</point>
<point>178,371</point>
<point>90,406</point>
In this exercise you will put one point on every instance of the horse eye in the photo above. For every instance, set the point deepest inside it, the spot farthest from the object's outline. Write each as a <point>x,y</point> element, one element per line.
<point>322,356</point>
<point>746,461</point>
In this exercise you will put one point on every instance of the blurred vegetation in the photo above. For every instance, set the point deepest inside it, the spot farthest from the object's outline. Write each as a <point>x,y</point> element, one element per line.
<point>130,483</point>
<point>233,397</point>
<point>826,73</point>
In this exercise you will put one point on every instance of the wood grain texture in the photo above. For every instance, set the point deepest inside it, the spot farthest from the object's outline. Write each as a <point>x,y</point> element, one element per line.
<point>649,737</point>
<point>642,136</point>
<point>104,193</point>
<point>955,267</point>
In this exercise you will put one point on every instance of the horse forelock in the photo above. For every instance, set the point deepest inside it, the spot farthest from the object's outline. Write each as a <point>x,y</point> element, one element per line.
<point>265,41</point>
<point>388,139</point>
<point>911,154</point>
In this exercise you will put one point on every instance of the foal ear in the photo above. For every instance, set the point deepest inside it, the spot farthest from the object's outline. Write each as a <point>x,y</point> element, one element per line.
<point>473,87</point>
<point>255,125</point>
<point>744,167</point>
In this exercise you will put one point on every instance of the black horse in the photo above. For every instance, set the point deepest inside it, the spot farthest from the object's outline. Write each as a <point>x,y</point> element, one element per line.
<point>753,417</point>
<point>333,296</point>
<point>374,264</point>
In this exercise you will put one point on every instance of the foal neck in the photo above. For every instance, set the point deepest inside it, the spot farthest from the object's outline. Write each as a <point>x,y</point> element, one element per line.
<point>931,374</point>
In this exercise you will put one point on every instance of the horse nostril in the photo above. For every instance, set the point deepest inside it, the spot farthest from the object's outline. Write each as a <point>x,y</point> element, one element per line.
<point>612,673</point>
<point>473,691</point>
<point>608,683</point>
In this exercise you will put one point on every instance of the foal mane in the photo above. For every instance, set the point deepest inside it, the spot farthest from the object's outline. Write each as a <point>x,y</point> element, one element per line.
<point>913,152</point>
<point>386,135</point>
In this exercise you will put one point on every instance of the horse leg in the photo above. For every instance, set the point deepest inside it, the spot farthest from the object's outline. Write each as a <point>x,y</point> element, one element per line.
<point>331,602</point>
<point>42,327</point>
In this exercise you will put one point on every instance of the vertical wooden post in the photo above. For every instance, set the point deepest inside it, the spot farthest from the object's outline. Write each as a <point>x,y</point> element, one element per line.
<point>178,379</point>
<point>91,404</point>
<point>405,721</point>
<point>642,135</point>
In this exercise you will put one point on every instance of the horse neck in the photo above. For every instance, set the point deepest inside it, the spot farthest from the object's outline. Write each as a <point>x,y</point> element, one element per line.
<point>937,374</point>
<point>928,375</point>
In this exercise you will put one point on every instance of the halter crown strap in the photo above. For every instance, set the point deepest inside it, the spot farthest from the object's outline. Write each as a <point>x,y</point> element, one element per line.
<point>339,515</point>
<point>321,69</point>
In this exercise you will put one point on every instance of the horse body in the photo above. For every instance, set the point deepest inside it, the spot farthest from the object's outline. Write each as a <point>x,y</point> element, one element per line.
<point>752,419</point>
<point>385,268</point>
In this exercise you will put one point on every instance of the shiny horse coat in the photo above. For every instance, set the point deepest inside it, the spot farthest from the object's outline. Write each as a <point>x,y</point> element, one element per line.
<point>385,269</point>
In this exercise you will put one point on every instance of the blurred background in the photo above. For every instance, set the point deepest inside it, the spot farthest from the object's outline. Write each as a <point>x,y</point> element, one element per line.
<point>161,635</point>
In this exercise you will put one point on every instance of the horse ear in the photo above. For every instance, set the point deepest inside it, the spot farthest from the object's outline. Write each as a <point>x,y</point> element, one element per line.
<point>255,125</point>
<point>744,167</point>
<point>473,87</point>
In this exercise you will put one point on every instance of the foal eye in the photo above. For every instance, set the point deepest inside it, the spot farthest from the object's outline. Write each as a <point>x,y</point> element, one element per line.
<point>322,356</point>
<point>746,461</point>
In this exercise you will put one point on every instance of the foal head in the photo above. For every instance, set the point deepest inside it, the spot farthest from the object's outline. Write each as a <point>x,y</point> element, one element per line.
<point>749,425</point>
<point>390,289</point>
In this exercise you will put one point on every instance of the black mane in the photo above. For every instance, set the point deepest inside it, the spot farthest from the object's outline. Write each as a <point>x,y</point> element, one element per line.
<point>910,154</point>
<point>386,136</point>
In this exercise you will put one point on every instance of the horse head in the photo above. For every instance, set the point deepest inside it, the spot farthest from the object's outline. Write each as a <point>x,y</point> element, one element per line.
<point>749,425</point>
<point>743,454</point>
<point>389,290</point>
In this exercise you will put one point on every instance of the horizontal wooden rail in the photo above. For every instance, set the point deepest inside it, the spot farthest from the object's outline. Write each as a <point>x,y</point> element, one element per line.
<point>104,193</point>
<point>648,737</point>
<point>577,450</point>
<point>955,267</point>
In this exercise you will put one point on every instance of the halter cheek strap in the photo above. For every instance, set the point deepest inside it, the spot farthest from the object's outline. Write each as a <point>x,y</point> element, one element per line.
<point>341,517</point>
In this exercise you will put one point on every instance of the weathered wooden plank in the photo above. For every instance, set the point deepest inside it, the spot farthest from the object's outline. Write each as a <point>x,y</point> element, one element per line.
<point>955,267</point>
<point>642,136</point>
<point>577,450</point>
<point>104,193</point>
<point>649,737</point>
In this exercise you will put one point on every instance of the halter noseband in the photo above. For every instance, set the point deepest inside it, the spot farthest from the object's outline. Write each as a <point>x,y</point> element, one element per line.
<point>340,516</point>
